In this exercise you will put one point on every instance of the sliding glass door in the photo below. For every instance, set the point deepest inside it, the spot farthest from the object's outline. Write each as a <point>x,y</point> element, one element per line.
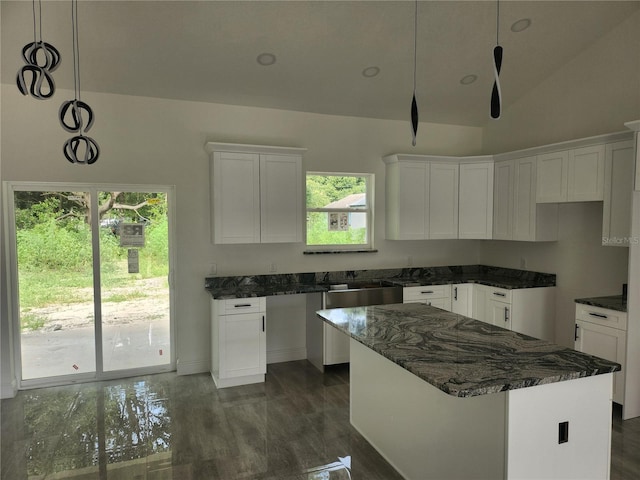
<point>92,269</point>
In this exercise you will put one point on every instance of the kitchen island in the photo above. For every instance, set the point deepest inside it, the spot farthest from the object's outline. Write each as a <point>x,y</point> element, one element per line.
<point>440,395</point>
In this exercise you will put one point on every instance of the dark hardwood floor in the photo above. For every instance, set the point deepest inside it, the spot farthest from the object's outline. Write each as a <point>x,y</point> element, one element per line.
<point>293,427</point>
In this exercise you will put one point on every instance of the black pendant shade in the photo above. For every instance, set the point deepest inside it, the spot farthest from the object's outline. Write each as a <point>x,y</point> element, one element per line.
<point>79,149</point>
<point>414,119</point>
<point>496,93</point>
<point>40,58</point>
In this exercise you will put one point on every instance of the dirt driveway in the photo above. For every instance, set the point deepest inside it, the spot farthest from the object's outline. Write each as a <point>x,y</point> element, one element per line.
<point>135,332</point>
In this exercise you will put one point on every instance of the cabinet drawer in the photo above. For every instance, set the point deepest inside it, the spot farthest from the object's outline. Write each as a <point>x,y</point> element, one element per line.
<point>233,306</point>
<point>427,292</point>
<point>499,294</point>
<point>601,316</point>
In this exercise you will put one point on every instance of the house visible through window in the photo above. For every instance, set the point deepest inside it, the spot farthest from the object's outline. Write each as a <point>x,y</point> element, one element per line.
<point>339,211</point>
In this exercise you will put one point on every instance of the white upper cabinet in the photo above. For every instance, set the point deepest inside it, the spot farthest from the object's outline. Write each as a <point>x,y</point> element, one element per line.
<point>407,199</point>
<point>524,205</point>
<point>475,217</point>
<point>575,175</point>
<point>516,214</point>
<point>586,174</point>
<point>280,198</point>
<point>236,197</point>
<point>618,187</point>
<point>431,197</point>
<point>503,200</point>
<point>257,193</point>
<point>443,201</point>
<point>552,173</point>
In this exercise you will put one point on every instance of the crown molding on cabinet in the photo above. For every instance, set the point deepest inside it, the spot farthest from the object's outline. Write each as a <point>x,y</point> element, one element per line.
<point>566,145</point>
<point>244,148</point>
<point>635,125</point>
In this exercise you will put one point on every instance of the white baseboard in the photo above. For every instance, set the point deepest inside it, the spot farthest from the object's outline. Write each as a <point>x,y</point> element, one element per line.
<point>286,355</point>
<point>189,367</point>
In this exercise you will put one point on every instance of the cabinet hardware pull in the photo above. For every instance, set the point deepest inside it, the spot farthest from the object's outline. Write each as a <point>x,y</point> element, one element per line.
<point>427,291</point>
<point>263,323</point>
<point>599,315</point>
<point>575,334</point>
<point>241,305</point>
<point>499,294</point>
<point>506,314</point>
<point>455,293</point>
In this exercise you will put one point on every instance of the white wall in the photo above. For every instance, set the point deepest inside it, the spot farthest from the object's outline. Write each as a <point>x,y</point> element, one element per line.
<point>584,268</point>
<point>595,93</point>
<point>154,141</point>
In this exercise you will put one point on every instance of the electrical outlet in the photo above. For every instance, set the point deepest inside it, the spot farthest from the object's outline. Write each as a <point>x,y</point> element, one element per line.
<point>523,262</point>
<point>273,268</point>
<point>409,261</point>
<point>213,269</point>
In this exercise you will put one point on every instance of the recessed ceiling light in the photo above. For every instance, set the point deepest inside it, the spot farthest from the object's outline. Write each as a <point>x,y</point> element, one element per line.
<point>521,25</point>
<point>370,72</point>
<point>468,79</point>
<point>266,59</point>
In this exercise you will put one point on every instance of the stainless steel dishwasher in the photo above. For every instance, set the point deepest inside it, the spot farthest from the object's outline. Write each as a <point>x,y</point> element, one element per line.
<point>336,343</point>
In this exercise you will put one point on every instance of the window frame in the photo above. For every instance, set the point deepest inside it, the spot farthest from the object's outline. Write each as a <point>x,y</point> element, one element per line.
<point>368,210</point>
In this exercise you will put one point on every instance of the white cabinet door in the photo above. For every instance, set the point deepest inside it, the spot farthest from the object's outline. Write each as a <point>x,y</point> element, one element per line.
<point>503,200</point>
<point>552,177</point>
<point>435,295</point>
<point>618,188</point>
<point>605,342</point>
<point>242,345</point>
<point>280,198</point>
<point>407,200</point>
<point>479,303</point>
<point>236,197</point>
<point>524,199</point>
<point>499,313</point>
<point>476,201</point>
<point>462,299</point>
<point>586,174</point>
<point>443,200</point>
<point>637,162</point>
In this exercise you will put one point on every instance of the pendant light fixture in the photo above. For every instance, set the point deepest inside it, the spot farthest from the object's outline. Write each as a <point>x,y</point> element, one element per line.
<point>41,59</point>
<point>496,92</point>
<point>414,103</point>
<point>79,149</point>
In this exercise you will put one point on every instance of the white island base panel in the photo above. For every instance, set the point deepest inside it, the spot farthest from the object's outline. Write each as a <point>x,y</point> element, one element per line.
<point>426,434</point>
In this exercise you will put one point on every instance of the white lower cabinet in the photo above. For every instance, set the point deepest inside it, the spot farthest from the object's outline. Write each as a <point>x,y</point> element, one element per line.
<point>238,341</point>
<point>499,313</point>
<point>524,310</point>
<point>434,295</point>
<point>462,299</point>
<point>602,332</point>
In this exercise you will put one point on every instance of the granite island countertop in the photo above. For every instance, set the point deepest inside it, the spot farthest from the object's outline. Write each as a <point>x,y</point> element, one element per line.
<point>461,356</point>
<point>295,283</point>
<point>611,302</point>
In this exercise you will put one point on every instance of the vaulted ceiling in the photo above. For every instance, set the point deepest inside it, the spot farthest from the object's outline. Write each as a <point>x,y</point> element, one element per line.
<point>207,51</point>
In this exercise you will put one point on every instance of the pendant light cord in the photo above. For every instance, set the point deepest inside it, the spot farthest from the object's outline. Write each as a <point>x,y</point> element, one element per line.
<point>497,22</point>
<point>37,19</point>
<point>415,45</point>
<point>76,48</point>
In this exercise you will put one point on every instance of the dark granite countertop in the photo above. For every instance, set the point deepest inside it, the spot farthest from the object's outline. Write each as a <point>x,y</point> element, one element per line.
<point>612,302</point>
<point>461,356</point>
<point>292,283</point>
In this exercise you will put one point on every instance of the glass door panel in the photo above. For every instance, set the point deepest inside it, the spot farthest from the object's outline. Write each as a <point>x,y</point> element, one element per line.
<point>55,283</point>
<point>134,269</point>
